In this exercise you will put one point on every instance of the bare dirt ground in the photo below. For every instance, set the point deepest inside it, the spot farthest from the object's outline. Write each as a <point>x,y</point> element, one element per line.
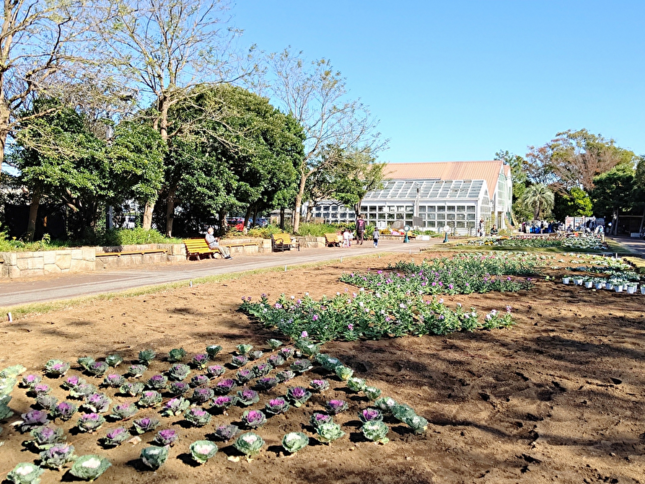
<point>557,398</point>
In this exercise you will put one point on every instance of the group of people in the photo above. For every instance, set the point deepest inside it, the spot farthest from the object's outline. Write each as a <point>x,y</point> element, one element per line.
<point>361,225</point>
<point>481,229</point>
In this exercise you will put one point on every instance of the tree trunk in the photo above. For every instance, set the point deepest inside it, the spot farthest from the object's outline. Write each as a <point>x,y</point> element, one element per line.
<point>310,211</point>
<point>247,216</point>
<point>3,141</point>
<point>255,214</point>
<point>170,210</point>
<point>296,212</point>
<point>222,222</point>
<point>33,215</point>
<point>282,218</point>
<point>537,211</point>
<point>147,215</point>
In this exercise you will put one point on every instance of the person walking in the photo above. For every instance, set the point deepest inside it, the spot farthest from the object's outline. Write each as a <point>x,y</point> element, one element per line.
<point>480,229</point>
<point>375,237</point>
<point>346,242</point>
<point>360,230</point>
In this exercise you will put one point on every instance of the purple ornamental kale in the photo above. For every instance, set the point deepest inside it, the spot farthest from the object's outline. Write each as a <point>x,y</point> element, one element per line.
<point>226,432</point>
<point>318,419</point>
<point>72,382</point>
<point>200,361</point>
<point>197,416</point>
<point>244,376</point>
<point>166,437</point>
<point>90,422</point>
<point>202,395</point>
<point>98,402</point>
<point>298,395</point>
<point>64,410</point>
<point>267,383</point>
<point>145,424</point>
<point>336,406</point>
<point>33,418</point>
<point>46,402</point>
<point>370,414</point>
<point>276,406</point>
<point>287,353</point>
<point>254,418</point>
<point>199,381</point>
<point>262,369</point>
<point>116,437</point>
<point>225,386</point>
<point>179,388</point>
<point>114,381</point>
<point>157,382</point>
<point>247,397</point>
<point>215,370</point>
<point>319,385</point>
<point>223,402</point>
<point>30,381</point>
<point>42,389</point>
<point>239,361</point>
<point>283,376</point>
<point>276,360</point>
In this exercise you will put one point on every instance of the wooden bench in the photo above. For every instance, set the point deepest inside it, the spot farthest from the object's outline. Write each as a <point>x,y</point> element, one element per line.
<point>282,242</point>
<point>141,252</point>
<point>333,240</point>
<point>198,247</point>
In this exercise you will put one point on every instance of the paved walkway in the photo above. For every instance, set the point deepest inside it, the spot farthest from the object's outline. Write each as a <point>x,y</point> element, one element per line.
<point>633,244</point>
<point>75,285</point>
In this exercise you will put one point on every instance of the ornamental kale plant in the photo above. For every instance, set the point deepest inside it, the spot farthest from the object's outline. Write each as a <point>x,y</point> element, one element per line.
<point>82,391</point>
<point>42,389</point>
<point>223,402</point>
<point>132,389</point>
<point>57,456</point>
<point>386,405</point>
<point>25,473</point>
<point>307,348</point>
<point>283,376</point>
<point>97,403</point>
<point>372,393</point>
<point>266,383</point>
<point>90,422</point>
<point>113,381</point>
<point>200,361</point>
<point>45,437</point>
<point>376,431</point>
<point>179,372</point>
<point>370,415</point>
<point>137,371</point>
<point>64,410</point>
<point>254,418</point>
<point>157,382</point>
<point>85,362</point>
<point>276,406</point>
<point>149,398</point>
<point>244,349</point>
<point>202,450</point>
<point>239,361</point>
<point>224,387</point>
<point>89,467</point>
<point>298,396</point>
<point>274,344</point>
<point>247,397</point>
<point>12,371</point>
<point>255,355</point>
<point>33,419</point>
<point>416,423</point>
<point>201,395</point>
<point>166,437</point>
<point>176,355</point>
<point>46,402</point>
<point>179,388</point>
<point>276,360</point>
<point>154,457</point>
<point>30,381</point>
<point>263,369</point>
<point>213,350</point>
<point>336,406</point>
<point>145,424</point>
<point>174,407</point>
<point>402,411</point>
<point>56,368</point>
<point>300,366</point>
<point>146,356</point>
<point>98,368</point>
<point>123,411</point>
<point>344,372</point>
<point>116,437</point>
<point>215,371</point>
<point>328,432</point>
<point>199,381</point>
<point>295,441</point>
<point>244,376</point>
<point>71,382</point>
<point>114,360</point>
<point>226,432</point>
<point>197,416</point>
<point>249,444</point>
<point>356,384</point>
<point>287,353</point>
<point>317,419</point>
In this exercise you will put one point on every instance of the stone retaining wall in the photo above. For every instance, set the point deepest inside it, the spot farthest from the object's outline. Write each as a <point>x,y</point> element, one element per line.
<point>30,264</point>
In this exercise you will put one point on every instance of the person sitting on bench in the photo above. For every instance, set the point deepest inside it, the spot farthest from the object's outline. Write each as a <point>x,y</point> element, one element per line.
<point>213,243</point>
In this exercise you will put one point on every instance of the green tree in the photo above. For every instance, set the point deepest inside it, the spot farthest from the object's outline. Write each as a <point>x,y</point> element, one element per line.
<point>615,191</point>
<point>539,199</point>
<point>360,175</point>
<point>574,203</point>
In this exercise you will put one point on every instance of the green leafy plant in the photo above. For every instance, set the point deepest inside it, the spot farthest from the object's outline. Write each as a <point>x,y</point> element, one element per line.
<point>89,467</point>
<point>202,450</point>
<point>25,473</point>
<point>249,444</point>
<point>176,355</point>
<point>376,431</point>
<point>154,457</point>
<point>329,432</point>
<point>294,441</point>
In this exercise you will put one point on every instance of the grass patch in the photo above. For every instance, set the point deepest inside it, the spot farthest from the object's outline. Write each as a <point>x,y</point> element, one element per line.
<point>21,311</point>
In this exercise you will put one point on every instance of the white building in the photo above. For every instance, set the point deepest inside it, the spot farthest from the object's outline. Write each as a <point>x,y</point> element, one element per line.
<point>454,194</point>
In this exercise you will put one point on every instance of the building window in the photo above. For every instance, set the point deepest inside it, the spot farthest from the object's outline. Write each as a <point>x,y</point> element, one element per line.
<point>422,209</point>
<point>461,208</point>
<point>451,216</point>
<point>334,208</point>
<point>471,209</point>
<point>461,216</point>
<point>432,208</point>
<point>381,208</point>
<point>326,208</point>
<point>441,209</point>
<point>409,209</point>
<point>373,208</point>
<point>431,216</point>
<point>451,208</point>
<point>441,216</point>
<point>471,216</point>
<point>431,224</point>
<point>461,225</point>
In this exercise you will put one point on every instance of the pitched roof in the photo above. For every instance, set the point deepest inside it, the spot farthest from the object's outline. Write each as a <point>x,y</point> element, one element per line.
<point>447,170</point>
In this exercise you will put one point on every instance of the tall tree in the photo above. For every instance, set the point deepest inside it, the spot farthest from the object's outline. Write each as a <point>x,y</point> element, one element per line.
<point>165,48</point>
<point>574,203</point>
<point>316,96</point>
<point>358,176</point>
<point>538,198</point>
<point>614,191</point>
<point>38,42</point>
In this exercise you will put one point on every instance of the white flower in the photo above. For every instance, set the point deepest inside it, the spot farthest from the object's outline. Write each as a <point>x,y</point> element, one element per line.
<point>361,304</point>
<point>93,463</point>
<point>338,294</point>
<point>306,294</point>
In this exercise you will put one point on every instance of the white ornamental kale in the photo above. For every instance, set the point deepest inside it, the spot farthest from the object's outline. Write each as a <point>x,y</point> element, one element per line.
<point>202,450</point>
<point>213,350</point>
<point>295,441</point>
<point>6,385</point>
<point>402,411</point>
<point>356,384</point>
<point>386,404</point>
<point>114,360</point>
<point>244,349</point>
<point>249,444</point>
<point>376,431</point>
<point>154,457</point>
<point>89,467</point>
<point>416,423</point>
<point>176,355</point>
<point>328,432</point>
<point>12,371</point>
<point>25,473</point>
<point>372,393</point>
<point>343,372</point>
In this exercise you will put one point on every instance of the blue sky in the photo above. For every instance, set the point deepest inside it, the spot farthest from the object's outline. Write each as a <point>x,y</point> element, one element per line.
<point>459,80</point>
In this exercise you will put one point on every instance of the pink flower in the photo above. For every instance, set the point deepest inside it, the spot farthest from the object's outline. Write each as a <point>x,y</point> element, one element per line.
<point>350,327</point>
<point>315,318</point>
<point>304,335</point>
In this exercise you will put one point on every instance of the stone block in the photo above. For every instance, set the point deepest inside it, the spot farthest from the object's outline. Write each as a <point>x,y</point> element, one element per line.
<point>31,272</point>
<point>174,259</point>
<point>89,253</point>
<point>10,258</point>
<point>49,257</point>
<point>31,263</point>
<point>77,254</point>
<point>13,272</point>
<point>51,269</point>
<point>64,260</point>
<point>79,265</point>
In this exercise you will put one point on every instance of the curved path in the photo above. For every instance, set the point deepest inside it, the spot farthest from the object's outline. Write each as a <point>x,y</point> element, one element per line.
<point>18,292</point>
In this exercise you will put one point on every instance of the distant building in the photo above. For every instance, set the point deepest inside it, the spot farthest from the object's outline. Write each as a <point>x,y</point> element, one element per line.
<point>456,194</point>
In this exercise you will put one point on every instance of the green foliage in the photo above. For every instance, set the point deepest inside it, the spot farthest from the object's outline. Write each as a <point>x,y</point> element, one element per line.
<point>539,199</point>
<point>575,203</point>
<point>614,191</point>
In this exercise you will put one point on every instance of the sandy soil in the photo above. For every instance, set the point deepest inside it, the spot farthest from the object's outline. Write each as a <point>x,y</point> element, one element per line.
<point>559,397</point>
